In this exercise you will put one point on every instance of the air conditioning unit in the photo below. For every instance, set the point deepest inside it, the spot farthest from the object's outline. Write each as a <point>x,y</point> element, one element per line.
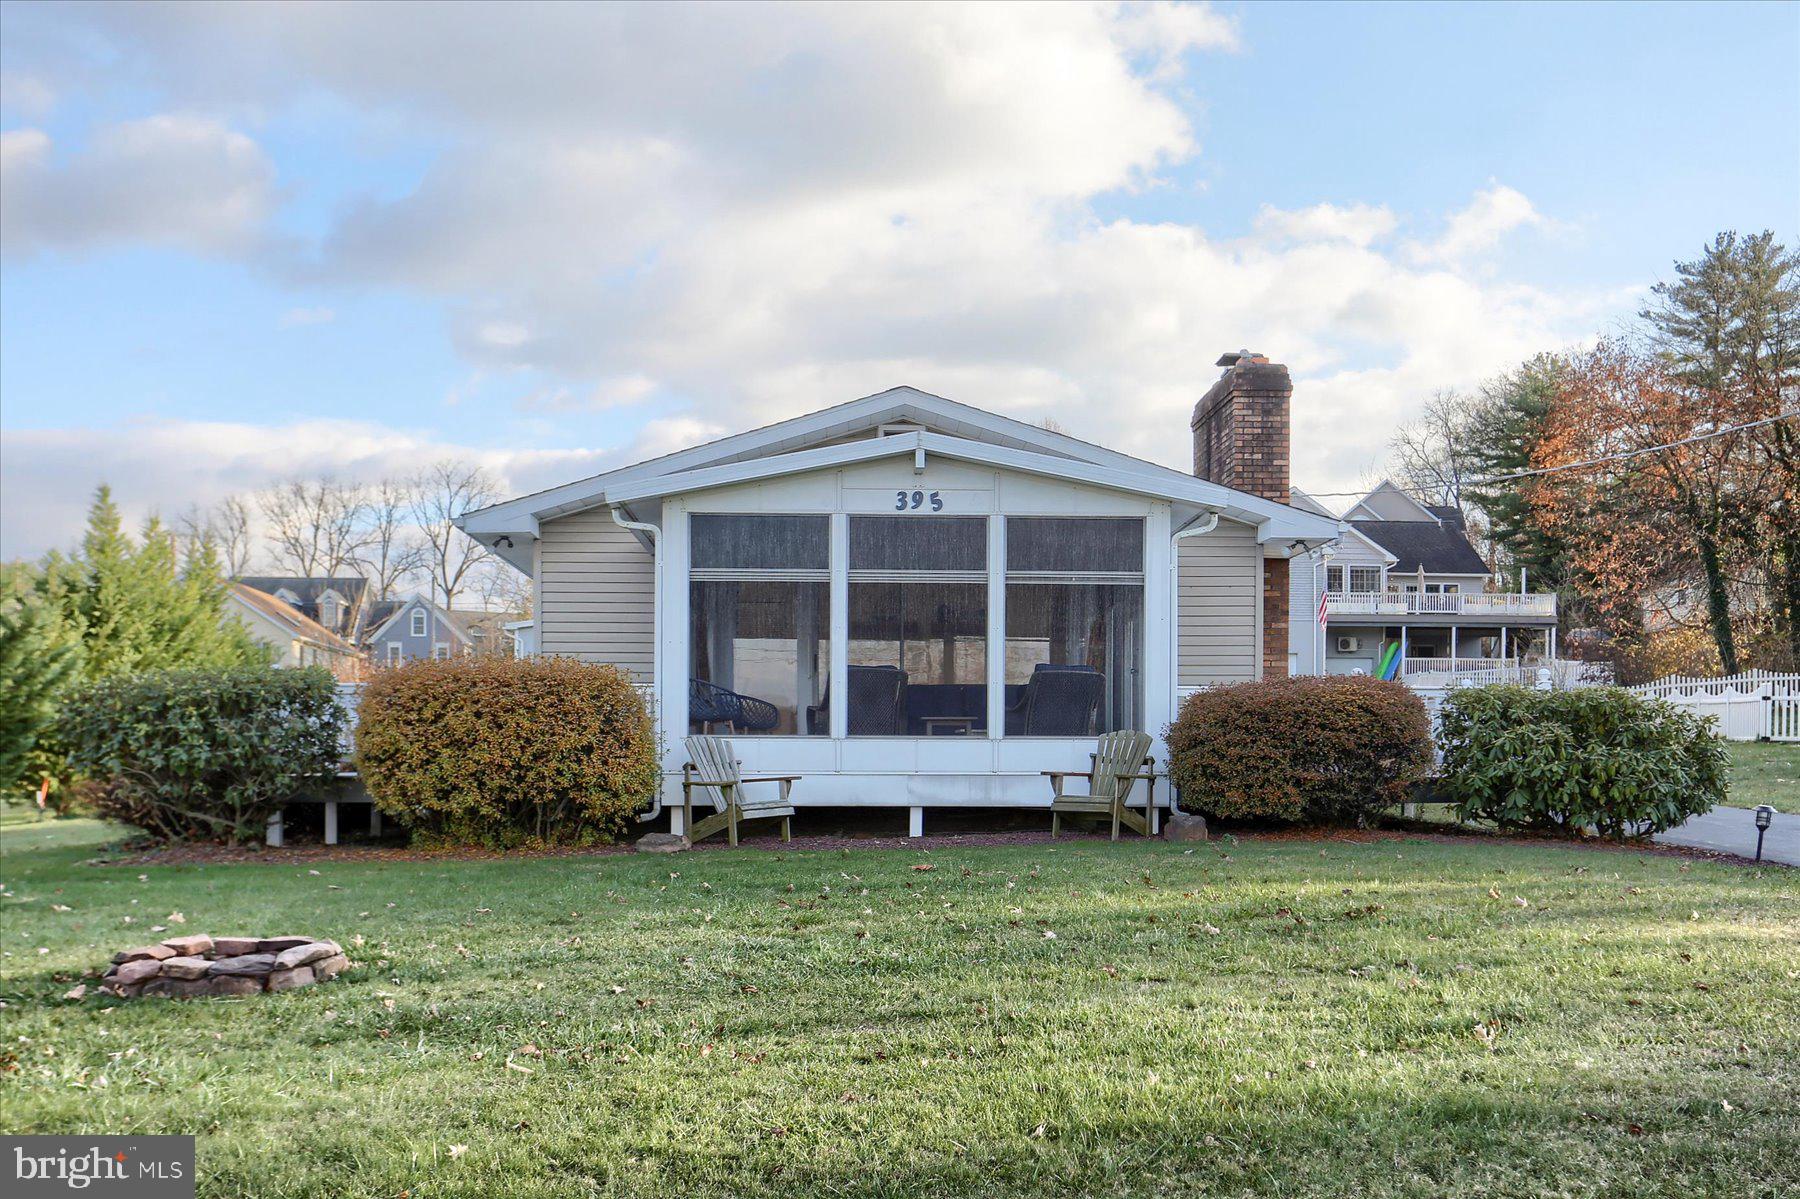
<point>1349,645</point>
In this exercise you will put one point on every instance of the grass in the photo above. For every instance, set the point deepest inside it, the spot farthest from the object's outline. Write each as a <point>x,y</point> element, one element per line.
<point>1268,1017</point>
<point>1765,772</point>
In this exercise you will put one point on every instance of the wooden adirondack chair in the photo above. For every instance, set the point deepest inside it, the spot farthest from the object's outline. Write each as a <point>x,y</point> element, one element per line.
<point>712,765</point>
<point>1122,760</point>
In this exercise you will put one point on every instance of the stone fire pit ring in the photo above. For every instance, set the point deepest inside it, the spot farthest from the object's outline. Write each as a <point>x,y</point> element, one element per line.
<point>197,965</point>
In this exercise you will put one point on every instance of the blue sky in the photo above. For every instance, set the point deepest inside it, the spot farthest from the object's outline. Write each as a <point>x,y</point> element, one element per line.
<point>242,247</point>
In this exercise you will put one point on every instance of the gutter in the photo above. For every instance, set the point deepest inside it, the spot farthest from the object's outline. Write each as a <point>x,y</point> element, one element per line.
<point>655,536</point>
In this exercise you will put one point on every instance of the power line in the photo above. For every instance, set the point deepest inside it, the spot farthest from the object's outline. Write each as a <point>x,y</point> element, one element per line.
<point>1628,454</point>
<point>1551,470</point>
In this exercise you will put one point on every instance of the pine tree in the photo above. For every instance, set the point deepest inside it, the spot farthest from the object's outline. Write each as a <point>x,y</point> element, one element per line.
<point>137,607</point>
<point>36,666</point>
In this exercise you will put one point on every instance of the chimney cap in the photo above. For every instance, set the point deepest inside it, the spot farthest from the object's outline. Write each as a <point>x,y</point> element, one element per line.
<point>1232,357</point>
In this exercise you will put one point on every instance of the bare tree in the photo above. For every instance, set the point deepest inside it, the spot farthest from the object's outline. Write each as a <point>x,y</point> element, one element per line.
<point>315,526</point>
<point>438,495</point>
<point>227,527</point>
<point>1432,454</point>
<point>391,551</point>
<point>503,589</point>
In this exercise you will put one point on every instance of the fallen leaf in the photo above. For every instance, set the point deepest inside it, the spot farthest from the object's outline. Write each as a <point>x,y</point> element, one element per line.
<point>76,992</point>
<point>175,918</point>
<point>457,1151</point>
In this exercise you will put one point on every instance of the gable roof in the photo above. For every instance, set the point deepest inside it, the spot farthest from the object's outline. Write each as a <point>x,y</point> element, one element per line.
<point>1423,544</point>
<point>1386,497</point>
<point>445,618</point>
<point>816,441</point>
<point>280,611</point>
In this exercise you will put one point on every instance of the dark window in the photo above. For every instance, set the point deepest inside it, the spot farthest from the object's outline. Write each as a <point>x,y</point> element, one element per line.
<point>917,656</point>
<point>759,624</point>
<point>1074,625</point>
<point>779,543</point>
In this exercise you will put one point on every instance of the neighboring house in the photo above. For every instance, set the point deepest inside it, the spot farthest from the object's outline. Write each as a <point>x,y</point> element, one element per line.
<point>417,628</point>
<point>915,603</point>
<point>298,640</point>
<point>1405,575</point>
<point>524,635</point>
<point>338,604</point>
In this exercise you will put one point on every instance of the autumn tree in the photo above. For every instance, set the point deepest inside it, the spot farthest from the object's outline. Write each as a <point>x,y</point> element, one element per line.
<point>1633,513</point>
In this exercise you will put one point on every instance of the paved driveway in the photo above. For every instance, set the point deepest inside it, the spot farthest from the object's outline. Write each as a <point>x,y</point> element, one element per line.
<point>1733,830</point>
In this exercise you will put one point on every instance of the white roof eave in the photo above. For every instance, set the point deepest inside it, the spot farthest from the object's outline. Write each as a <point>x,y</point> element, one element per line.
<point>1274,521</point>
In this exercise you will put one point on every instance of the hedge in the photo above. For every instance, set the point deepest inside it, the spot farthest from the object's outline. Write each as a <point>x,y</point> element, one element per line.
<point>1596,758</point>
<point>203,754</point>
<point>504,752</point>
<point>1328,750</point>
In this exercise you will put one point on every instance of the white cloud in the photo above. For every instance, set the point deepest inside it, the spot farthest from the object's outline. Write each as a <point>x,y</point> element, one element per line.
<point>1358,224</point>
<point>174,178</point>
<point>769,210</point>
<point>47,476</point>
<point>1478,229</point>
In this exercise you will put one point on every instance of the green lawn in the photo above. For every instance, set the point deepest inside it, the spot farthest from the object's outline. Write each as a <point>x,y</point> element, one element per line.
<point>1254,1018</point>
<point>1764,772</point>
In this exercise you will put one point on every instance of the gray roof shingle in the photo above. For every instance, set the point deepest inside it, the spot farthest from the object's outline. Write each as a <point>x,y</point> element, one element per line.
<point>1438,548</point>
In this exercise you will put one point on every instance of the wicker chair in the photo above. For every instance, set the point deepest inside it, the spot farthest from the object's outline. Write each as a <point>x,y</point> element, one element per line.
<point>1060,701</point>
<point>710,704</point>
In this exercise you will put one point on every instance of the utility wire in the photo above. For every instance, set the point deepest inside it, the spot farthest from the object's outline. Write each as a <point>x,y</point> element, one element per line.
<point>1621,457</point>
<point>1628,454</point>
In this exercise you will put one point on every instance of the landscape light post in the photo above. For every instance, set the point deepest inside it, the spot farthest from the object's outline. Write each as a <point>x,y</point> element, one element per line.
<point>1765,816</point>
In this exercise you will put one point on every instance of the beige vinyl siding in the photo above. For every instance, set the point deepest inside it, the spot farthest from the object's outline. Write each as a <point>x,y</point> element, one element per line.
<point>598,592</point>
<point>1218,606</point>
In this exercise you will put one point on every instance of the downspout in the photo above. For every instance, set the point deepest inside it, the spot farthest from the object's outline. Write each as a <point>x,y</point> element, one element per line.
<point>653,533</point>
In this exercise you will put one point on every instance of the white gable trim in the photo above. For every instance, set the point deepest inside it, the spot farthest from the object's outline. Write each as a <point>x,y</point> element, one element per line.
<point>900,404</point>
<point>895,405</point>
<point>1275,521</point>
<point>1387,556</point>
<point>1387,486</point>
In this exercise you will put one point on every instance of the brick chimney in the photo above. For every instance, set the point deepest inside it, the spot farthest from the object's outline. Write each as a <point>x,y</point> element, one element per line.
<point>1241,441</point>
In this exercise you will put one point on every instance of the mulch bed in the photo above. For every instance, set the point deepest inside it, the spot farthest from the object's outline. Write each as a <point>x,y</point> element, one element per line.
<point>211,855</point>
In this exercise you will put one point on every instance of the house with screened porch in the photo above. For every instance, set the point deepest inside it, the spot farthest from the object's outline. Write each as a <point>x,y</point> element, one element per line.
<point>910,602</point>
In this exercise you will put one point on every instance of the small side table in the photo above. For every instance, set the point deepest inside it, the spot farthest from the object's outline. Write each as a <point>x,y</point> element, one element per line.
<point>954,726</point>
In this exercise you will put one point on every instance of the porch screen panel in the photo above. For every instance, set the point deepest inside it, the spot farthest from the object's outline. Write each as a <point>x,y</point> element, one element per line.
<point>917,654</point>
<point>759,618</point>
<point>1074,625</point>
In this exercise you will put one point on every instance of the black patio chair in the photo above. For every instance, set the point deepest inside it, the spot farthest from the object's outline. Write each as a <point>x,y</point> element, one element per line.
<point>1060,701</point>
<point>877,703</point>
<point>710,704</point>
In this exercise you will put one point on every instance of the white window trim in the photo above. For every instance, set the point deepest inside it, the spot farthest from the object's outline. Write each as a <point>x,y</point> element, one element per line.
<point>395,652</point>
<point>440,651</point>
<point>416,623</point>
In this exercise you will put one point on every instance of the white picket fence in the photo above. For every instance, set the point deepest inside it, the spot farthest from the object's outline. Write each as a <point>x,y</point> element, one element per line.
<point>1749,706</point>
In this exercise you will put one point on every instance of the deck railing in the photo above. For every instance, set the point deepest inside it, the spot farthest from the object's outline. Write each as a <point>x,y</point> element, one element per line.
<point>1496,604</point>
<point>1560,673</point>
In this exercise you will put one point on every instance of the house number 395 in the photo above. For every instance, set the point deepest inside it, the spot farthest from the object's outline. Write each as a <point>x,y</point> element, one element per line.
<point>905,501</point>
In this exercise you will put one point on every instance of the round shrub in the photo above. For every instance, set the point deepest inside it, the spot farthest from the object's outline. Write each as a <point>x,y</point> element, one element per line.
<point>1320,750</point>
<point>1595,758</point>
<point>203,753</point>
<point>503,751</point>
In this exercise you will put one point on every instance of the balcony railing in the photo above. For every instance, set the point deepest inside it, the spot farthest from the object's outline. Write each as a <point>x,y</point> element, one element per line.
<point>1493,604</point>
